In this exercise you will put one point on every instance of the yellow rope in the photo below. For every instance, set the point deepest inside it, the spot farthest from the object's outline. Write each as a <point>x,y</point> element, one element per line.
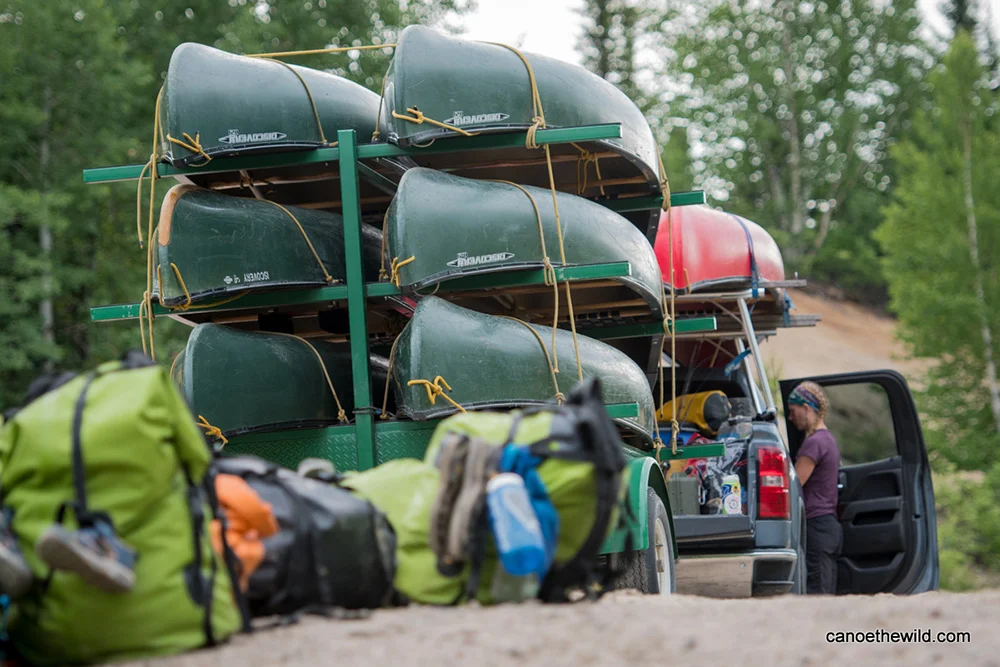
<point>669,323</point>
<point>341,414</point>
<point>560,398</point>
<point>436,388</point>
<point>187,305</point>
<point>326,274</point>
<point>388,379</point>
<point>381,103</point>
<point>312,52</point>
<point>397,264</point>
<point>193,144</point>
<point>586,157</point>
<point>539,123</point>
<point>382,273</point>
<point>214,431</point>
<point>664,184</point>
<point>173,365</point>
<point>548,271</point>
<point>312,102</point>
<point>418,118</point>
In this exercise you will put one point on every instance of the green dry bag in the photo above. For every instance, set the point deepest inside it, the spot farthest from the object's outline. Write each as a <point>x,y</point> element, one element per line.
<point>121,443</point>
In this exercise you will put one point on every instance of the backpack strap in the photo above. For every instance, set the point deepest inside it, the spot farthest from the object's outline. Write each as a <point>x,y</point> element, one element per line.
<point>83,515</point>
<point>228,555</point>
<point>582,431</point>
<point>202,593</point>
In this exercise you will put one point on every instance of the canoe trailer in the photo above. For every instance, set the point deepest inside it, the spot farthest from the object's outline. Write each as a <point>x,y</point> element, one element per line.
<point>729,320</point>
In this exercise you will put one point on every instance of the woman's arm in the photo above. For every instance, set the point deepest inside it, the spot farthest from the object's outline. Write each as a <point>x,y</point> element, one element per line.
<point>804,467</point>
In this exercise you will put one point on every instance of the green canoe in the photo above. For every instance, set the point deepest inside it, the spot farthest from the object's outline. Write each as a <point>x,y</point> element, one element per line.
<point>455,227</point>
<point>220,245</point>
<point>485,88</point>
<point>496,362</point>
<point>236,105</point>
<point>244,381</point>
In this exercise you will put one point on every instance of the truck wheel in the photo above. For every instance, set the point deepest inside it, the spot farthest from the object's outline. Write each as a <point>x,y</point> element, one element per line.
<point>651,570</point>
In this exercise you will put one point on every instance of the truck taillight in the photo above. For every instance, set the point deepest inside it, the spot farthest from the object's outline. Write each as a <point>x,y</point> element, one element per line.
<point>772,473</point>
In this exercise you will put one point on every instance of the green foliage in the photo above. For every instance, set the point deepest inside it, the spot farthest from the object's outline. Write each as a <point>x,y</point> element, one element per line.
<point>78,81</point>
<point>794,106</point>
<point>968,513</point>
<point>927,265</point>
<point>615,31</point>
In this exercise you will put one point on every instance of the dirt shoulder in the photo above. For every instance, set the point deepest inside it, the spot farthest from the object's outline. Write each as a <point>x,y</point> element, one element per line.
<point>628,628</point>
<point>849,338</point>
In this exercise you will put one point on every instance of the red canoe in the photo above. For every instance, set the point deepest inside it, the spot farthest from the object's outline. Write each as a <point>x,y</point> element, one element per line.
<point>715,250</point>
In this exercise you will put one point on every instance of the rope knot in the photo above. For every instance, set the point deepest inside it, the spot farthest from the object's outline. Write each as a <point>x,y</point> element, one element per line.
<point>560,398</point>
<point>397,264</point>
<point>193,144</point>
<point>342,415</point>
<point>213,431</point>
<point>548,271</point>
<point>436,388</point>
<point>537,123</point>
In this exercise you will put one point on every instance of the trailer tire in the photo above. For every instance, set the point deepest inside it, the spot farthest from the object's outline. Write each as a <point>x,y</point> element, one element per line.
<point>640,570</point>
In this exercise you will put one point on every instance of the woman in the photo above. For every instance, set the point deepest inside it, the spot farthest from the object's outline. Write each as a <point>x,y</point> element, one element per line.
<point>817,466</point>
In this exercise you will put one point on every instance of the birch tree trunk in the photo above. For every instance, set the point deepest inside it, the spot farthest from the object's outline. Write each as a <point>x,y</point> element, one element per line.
<point>45,308</point>
<point>984,319</point>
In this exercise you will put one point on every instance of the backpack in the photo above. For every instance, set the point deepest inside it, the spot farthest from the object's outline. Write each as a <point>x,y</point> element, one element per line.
<point>580,463</point>
<point>118,444</point>
<point>332,549</point>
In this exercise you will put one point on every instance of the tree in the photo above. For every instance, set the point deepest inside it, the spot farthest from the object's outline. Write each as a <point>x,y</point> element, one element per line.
<point>793,106</point>
<point>78,81</point>
<point>960,15</point>
<point>941,237</point>
<point>615,32</point>
<point>64,77</point>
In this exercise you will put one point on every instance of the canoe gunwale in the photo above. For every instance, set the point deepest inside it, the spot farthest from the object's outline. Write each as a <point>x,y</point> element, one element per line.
<point>257,288</point>
<point>435,134</point>
<point>198,160</point>
<point>290,426</point>
<point>629,282</point>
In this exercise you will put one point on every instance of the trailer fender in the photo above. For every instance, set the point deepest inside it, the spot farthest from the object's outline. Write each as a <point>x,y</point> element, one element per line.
<point>641,472</point>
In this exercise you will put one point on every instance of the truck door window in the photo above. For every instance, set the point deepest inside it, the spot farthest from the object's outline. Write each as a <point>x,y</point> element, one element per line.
<point>861,419</point>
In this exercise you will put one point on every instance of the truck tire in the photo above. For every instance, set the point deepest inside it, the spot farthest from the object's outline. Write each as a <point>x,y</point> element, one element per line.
<point>641,570</point>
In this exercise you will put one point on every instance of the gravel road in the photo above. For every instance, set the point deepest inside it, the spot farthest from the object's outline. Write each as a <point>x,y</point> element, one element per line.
<point>628,628</point>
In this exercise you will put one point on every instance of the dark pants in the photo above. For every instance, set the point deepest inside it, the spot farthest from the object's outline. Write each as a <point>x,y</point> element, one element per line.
<point>823,540</point>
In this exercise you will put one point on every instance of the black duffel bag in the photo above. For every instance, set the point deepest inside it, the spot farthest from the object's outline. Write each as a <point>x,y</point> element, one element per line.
<point>332,550</point>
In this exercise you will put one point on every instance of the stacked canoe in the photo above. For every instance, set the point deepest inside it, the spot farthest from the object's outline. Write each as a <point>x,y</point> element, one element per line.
<point>438,225</point>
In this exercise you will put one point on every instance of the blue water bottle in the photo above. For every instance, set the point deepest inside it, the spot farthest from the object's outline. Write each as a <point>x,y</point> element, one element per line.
<point>516,530</point>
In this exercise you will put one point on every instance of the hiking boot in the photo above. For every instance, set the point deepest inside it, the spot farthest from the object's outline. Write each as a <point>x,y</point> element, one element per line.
<point>15,575</point>
<point>451,463</point>
<point>468,510</point>
<point>95,553</point>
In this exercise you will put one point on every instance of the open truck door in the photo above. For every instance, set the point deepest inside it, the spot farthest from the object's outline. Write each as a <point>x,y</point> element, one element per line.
<point>886,499</point>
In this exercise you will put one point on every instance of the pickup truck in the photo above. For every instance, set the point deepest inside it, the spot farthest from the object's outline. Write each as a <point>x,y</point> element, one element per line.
<point>886,500</point>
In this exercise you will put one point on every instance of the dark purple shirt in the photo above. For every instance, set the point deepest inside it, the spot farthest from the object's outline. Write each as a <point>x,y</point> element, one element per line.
<point>820,492</point>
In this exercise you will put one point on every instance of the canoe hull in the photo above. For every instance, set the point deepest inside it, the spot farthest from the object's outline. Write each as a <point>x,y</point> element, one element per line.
<point>457,227</point>
<point>243,381</point>
<point>237,105</point>
<point>485,88</point>
<point>712,251</point>
<point>494,362</point>
<point>222,245</point>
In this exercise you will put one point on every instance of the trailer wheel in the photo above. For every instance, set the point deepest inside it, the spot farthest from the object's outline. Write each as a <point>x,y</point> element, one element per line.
<point>651,570</point>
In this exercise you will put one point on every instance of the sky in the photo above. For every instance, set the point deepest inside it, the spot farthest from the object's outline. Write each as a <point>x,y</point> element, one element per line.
<point>552,27</point>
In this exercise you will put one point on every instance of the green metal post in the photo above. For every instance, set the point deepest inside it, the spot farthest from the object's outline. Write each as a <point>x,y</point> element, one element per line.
<point>364,429</point>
